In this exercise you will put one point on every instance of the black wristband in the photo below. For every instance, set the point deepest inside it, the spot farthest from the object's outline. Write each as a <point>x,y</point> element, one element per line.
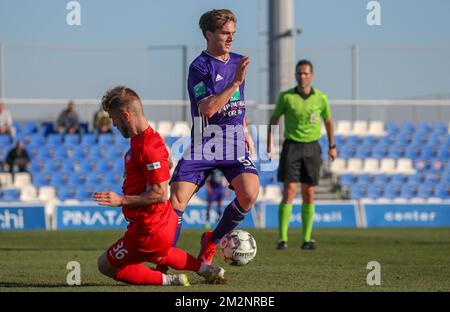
<point>332,146</point>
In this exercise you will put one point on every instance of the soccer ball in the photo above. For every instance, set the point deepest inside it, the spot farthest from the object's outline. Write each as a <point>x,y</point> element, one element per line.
<point>238,247</point>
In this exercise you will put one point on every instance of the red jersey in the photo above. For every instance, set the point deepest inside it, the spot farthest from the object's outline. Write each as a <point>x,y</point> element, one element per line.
<point>146,163</point>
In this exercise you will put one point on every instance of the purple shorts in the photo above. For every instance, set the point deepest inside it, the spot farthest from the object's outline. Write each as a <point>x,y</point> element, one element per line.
<point>196,171</point>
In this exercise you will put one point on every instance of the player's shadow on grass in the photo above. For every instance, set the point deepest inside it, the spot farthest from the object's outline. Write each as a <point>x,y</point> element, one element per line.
<point>60,285</point>
<point>48,249</point>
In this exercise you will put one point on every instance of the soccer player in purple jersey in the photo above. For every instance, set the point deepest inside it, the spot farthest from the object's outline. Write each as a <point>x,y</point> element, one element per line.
<point>216,91</point>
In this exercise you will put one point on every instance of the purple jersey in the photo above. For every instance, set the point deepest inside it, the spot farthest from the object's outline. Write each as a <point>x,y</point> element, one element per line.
<point>209,76</point>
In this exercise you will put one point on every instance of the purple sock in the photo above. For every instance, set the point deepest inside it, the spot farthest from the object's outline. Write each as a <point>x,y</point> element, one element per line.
<point>232,216</point>
<point>180,223</point>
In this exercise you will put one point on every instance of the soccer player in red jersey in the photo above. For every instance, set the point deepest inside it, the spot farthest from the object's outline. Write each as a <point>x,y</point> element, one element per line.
<point>145,205</point>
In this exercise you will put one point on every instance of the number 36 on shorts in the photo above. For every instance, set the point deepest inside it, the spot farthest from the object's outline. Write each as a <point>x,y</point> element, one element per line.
<point>118,252</point>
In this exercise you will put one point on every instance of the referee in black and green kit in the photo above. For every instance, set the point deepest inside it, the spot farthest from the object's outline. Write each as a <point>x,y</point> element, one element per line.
<point>303,108</point>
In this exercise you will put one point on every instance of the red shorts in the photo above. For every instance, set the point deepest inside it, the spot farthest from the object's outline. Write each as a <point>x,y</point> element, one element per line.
<point>135,248</point>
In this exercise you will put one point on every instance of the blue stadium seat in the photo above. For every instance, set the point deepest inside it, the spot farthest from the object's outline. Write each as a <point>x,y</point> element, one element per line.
<point>415,178</point>
<point>88,139</point>
<point>112,178</point>
<point>396,151</point>
<point>346,152</point>
<point>387,139</point>
<point>30,127</point>
<point>424,127</point>
<point>435,140</point>
<point>447,141</point>
<point>364,178</point>
<point>60,153</point>
<point>54,139</point>
<point>46,128</point>
<point>36,140</point>
<point>338,139</point>
<point>408,127</point>
<point>41,179</point>
<point>105,139</point>
<point>4,149</point>
<point>118,167</point>
<point>442,191</point>
<point>363,151</point>
<point>80,153</point>
<point>391,190</point>
<point>419,138</point>
<point>408,190</point>
<point>52,165</point>
<point>443,152</point>
<point>358,191</point>
<point>374,191</point>
<point>353,140</point>
<point>67,167</point>
<point>98,153</point>
<point>87,166</point>
<point>84,193</point>
<point>391,128</point>
<point>398,178</point>
<point>58,180</point>
<point>428,151</point>
<point>347,179</point>
<point>16,125</point>
<point>431,178</point>
<point>35,168</point>
<point>445,177</point>
<point>369,140</point>
<point>115,152</point>
<point>379,151</point>
<point>10,195</point>
<point>104,166</point>
<point>93,179</point>
<point>65,192</point>
<point>424,191</point>
<point>5,140</point>
<point>403,138</point>
<point>381,178</point>
<point>439,128</point>
<point>120,140</point>
<point>71,139</point>
<point>75,179</point>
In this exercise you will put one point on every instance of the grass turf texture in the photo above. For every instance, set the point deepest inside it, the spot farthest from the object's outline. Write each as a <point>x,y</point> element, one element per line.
<point>411,260</point>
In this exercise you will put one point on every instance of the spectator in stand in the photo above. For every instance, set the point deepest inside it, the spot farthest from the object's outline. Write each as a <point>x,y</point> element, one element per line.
<point>18,159</point>
<point>102,122</point>
<point>68,120</point>
<point>6,122</point>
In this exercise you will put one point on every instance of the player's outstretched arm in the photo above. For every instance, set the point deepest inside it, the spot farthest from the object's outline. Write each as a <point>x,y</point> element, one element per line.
<point>210,105</point>
<point>157,193</point>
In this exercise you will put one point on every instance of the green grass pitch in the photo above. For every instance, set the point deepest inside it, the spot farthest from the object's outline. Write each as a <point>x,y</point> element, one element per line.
<point>410,259</point>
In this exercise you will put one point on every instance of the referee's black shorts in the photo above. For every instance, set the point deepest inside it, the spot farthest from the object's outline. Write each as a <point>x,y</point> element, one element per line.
<point>300,162</point>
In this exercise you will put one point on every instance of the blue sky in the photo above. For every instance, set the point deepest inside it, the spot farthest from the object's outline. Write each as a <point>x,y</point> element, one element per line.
<point>421,67</point>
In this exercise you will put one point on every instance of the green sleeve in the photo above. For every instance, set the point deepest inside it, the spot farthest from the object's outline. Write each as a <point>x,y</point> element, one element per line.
<point>326,112</point>
<point>279,107</point>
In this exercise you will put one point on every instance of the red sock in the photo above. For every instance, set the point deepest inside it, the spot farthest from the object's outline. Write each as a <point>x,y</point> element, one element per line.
<point>179,259</point>
<point>138,274</point>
